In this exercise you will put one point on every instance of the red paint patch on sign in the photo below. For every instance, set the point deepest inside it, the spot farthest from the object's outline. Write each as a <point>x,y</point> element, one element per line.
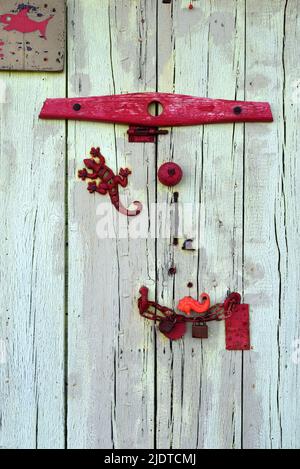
<point>23,24</point>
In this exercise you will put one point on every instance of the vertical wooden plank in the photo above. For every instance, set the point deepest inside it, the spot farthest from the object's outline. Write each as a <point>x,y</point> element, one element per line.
<point>271,228</point>
<point>32,163</point>
<point>288,246</point>
<point>133,65</point>
<point>199,384</point>
<point>263,228</point>
<point>111,359</point>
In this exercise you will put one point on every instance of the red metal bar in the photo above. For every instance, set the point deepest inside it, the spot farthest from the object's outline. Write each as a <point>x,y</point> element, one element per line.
<point>177,110</point>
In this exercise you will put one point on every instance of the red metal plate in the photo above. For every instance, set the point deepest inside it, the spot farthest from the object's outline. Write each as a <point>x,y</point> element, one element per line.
<point>237,327</point>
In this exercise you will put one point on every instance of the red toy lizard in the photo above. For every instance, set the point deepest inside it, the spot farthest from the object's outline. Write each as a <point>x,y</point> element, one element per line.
<point>108,183</point>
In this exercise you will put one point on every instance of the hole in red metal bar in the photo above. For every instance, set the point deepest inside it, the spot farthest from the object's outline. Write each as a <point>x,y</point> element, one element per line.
<point>155,108</point>
<point>237,110</point>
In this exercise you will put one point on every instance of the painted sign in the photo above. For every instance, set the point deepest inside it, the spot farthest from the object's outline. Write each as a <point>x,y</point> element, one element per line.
<point>32,35</point>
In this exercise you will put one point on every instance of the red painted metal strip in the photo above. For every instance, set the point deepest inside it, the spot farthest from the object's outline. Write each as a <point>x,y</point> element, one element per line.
<point>178,110</point>
<point>237,327</point>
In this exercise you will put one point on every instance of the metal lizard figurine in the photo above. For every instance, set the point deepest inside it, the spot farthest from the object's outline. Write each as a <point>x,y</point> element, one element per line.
<point>108,181</point>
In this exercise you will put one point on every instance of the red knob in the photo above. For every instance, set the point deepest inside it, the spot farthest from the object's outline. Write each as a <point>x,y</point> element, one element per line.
<point>170,174</point>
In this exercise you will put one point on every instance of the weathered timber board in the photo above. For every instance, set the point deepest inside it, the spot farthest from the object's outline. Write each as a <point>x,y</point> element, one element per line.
<point>78,367</point>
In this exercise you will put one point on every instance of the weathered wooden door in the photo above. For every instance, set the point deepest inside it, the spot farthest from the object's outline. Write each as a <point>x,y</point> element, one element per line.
<point>78,367</point>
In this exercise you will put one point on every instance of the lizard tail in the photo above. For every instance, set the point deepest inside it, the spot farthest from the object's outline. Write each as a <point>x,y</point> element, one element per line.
<point>129,213</point>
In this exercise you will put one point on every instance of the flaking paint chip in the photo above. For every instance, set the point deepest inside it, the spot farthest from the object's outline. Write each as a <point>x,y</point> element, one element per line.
<point>32,35</point>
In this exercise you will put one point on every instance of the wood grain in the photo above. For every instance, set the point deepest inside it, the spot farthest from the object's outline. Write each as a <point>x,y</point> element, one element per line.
<point>111,359</point>
<point>32,265</point>
<point>201,414</point>
<point>270,227</point>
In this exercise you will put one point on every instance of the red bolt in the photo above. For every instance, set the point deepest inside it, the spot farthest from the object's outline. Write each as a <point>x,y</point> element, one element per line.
<point>172,271</point>
<point>191,6</point>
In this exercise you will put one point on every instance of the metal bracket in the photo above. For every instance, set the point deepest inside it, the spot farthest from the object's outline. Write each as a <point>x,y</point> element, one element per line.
<point>144,134</point>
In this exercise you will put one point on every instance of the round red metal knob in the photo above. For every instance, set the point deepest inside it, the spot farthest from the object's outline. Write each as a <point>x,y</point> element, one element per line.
<point>170,174</point>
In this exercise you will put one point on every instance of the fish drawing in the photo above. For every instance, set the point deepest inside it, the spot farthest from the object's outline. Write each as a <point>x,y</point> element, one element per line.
<point>23,24</point>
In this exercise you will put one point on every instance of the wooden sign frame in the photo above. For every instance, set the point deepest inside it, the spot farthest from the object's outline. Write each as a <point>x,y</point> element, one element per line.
<point>32,35</point>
